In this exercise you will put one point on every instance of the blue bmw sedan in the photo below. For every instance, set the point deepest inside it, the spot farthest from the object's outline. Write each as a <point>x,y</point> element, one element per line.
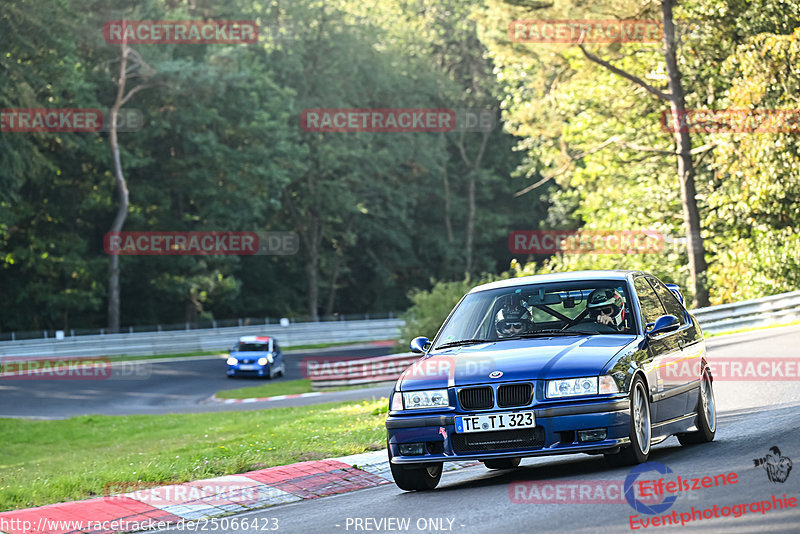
<point>584,362</point>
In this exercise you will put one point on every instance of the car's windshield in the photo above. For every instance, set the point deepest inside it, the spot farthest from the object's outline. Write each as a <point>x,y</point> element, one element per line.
<point>252,347</point>
<point>579,307</point>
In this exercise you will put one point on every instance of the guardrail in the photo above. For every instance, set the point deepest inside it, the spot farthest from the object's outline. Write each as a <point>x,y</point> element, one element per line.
<point>175,342</point>
<point>765,311</point>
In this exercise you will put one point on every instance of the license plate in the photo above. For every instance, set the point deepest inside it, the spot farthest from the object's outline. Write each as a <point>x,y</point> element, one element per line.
<point>247,367</point>
<point>494,421</point>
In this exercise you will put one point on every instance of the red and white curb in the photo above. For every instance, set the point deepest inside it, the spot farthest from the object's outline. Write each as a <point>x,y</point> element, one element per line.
<point>263,399</point>
<point>202,499</point>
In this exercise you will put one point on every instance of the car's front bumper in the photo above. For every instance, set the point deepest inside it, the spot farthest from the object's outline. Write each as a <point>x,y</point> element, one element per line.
<point>258,370</point>
<point>556,432</point>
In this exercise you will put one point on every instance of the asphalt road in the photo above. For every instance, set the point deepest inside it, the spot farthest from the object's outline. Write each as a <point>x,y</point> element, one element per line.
<point>753,416</point>
<point>179,385</point>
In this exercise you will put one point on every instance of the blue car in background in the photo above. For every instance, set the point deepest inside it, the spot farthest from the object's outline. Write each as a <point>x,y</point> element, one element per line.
<point>597,362</point>
<point>256,356</point>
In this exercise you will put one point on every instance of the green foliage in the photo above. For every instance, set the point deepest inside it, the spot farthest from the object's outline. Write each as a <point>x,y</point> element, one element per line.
<point>732,54</point>
<point>378,213</point>
<point>431,307</point>
<point>222,149</point>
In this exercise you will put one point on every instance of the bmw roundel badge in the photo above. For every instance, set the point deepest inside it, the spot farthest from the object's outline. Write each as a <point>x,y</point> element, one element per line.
<point>495,374</point>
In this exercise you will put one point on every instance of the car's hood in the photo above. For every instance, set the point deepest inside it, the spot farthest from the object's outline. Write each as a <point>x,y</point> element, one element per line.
<point>523,359</point>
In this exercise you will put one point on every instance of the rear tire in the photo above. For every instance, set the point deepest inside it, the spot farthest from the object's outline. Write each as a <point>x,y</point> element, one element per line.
<point>416,477</point>
<point>640,429</point>
<point>502,463</point>
<point>706,415</point>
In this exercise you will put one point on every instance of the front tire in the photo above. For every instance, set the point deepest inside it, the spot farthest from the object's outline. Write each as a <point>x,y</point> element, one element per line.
<point>502,463</point>
<point>706,415</point>
<point>416,477</point>
<point>640,428</point>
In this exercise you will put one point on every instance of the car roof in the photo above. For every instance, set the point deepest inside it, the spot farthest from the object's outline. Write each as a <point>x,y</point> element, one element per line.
<point>254,339</point>
<point>569,276</point>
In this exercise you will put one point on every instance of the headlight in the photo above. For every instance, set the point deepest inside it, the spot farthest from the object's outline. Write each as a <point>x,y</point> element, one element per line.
<point>262,361</point>
<point>232,361</point>
<point>572,387</point>
<point>425,399</point>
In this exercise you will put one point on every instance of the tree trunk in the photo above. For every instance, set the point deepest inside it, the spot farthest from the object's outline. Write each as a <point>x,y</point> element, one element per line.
<point>312,270</point>
<point>473,167</point>
<point>122,188</point>
<point>686,171</point>
<point>448,225</point>
<point>446,185</point>
<point>470,222</point>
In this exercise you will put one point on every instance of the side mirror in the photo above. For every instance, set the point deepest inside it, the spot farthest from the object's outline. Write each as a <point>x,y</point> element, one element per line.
<point>418,345</point>
<point>664,324</point>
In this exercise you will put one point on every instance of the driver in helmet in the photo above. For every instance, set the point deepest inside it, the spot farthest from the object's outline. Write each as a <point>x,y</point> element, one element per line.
<point>607,307</point>
<point>513,319</point>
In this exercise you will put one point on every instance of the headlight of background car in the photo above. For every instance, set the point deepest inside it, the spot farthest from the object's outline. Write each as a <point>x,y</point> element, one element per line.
<point>262,361</point>
<point>425,399</point>
<point>572,387</point>
<point>232,361</point>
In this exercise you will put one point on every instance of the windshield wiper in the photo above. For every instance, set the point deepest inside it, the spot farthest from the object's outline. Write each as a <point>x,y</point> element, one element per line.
<point>548,333</point>
<point>461,342</point>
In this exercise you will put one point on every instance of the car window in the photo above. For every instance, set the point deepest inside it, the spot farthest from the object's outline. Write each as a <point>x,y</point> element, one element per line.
<point>252,347</point>
<point>668,299</point>
<point>512,312</point>
<point>648,300</point>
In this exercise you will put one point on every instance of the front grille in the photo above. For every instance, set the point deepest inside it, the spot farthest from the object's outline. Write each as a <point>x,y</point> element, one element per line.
<point>476,398</point>
<point>498,440</point>
<point>509,395</point>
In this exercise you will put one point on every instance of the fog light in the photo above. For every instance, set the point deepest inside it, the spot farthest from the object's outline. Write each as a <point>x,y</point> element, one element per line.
<point>595,434</point>
<point>412,449</point>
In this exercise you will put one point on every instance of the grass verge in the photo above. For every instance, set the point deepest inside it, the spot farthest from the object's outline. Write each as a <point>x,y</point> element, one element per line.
<point>288,350</point>
<point>286,387</point>
<point>45,462</point>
